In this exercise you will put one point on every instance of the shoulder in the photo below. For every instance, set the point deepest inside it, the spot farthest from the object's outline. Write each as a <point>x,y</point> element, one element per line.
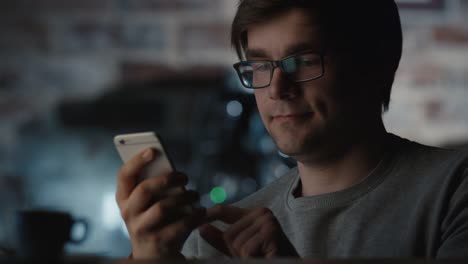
<point>429,171</point>
<point>417,154</point>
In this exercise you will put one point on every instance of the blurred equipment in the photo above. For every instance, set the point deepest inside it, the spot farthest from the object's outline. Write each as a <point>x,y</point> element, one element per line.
<point>42,234</point>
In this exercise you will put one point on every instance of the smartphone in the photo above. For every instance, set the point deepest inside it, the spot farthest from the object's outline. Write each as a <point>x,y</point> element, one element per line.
<point>129,145</point>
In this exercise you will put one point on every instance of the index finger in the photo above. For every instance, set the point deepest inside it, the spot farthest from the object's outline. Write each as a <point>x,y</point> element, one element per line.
<point>227,214</point>
<point>128,174</point>
<point>214,237</point>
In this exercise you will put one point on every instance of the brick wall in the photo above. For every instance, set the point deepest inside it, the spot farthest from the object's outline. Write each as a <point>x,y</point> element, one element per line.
<point>430,95</point>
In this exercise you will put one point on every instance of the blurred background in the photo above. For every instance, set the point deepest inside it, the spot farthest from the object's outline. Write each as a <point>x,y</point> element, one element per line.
<point>73,74</point>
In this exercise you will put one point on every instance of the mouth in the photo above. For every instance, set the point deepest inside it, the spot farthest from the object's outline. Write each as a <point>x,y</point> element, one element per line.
<point>291,117</point>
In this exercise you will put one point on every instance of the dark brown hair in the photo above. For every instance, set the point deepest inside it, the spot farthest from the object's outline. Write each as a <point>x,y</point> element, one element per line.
<point>367,33</point>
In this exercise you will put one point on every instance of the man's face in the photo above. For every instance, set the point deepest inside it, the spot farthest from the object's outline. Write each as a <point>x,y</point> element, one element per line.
<point>300,117</point>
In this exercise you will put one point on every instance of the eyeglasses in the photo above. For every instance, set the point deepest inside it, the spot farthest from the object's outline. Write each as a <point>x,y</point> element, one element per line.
<point>302,67</point>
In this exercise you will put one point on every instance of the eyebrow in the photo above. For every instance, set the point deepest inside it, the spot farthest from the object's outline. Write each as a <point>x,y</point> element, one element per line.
<point>300,47</point>
<point>256,53</point>
<point>294,49</point>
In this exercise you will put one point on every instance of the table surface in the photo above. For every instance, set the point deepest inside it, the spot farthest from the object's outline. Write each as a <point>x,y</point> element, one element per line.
<point>100,260</point>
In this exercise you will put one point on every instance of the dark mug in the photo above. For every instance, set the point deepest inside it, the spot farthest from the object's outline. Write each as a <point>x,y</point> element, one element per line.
<point>44,233</point>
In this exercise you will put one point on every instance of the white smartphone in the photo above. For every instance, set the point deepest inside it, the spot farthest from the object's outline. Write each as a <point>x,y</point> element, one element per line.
<point>129,145</point>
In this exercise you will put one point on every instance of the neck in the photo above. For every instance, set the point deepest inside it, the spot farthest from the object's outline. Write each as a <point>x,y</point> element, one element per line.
<point>346,166</point>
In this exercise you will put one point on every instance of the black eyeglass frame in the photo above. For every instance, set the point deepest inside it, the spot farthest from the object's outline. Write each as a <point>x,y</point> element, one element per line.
<point>279,64</point>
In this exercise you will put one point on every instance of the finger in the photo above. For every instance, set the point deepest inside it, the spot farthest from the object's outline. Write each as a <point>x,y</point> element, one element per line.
<point>227,214</point>
<point>185,225</point>
<point>176,234</point>
<point>153,190</point>
<point>214,237</point>
<point>240,239</point>
<point>249,219</point>
<point>253,247</point>
<point>167,210</point>
<point>128,173</point>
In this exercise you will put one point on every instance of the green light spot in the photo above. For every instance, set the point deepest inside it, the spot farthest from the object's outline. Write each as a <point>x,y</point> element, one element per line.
<point>218,195</point>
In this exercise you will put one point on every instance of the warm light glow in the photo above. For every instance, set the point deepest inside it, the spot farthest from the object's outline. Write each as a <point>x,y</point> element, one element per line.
<point>111,214</point>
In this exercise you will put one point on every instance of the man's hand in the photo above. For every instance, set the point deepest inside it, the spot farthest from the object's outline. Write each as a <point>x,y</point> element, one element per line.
<point>157,226</point>
<point>253,233</point>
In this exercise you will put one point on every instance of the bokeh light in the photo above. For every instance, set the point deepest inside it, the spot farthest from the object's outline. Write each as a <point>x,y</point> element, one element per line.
<point>218,195</point>
<point>234,108</point>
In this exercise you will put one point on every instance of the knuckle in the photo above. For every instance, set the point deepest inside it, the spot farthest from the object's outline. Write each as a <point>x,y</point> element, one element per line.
<point>122,171</point>
<point>227,237</point>
<point>269,216</point>
<point>266,211</point>
<point>238,246</point>
<point>144,189</point>
<point>125,214</point>
<point>171,233</point>
<point>159,210</point>
<point>155,239</point>
<point>165,181</point>
<point>152,186</point>
<point>268,229</point>
<point>137,232</point>
<point>261,211</point>
<point>245,251</point>
<point>219,208</point>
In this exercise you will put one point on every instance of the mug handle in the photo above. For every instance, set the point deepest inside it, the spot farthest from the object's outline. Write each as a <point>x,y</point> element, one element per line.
<point>85,224</point>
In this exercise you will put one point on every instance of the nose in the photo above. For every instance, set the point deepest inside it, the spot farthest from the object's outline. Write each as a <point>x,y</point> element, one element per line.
<point>280,87</point>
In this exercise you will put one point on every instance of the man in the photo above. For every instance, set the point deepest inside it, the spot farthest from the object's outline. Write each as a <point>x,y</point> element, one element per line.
<point>322,73</point>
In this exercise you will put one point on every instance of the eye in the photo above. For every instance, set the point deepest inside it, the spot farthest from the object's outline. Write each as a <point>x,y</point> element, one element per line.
<point>260,67</point>
<point>308,60</point>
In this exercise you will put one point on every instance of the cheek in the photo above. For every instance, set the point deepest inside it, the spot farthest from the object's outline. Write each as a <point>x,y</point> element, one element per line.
<point>261,100</point>
<point>323,107</point>
<point>323,97</point>
<point>320,100</point>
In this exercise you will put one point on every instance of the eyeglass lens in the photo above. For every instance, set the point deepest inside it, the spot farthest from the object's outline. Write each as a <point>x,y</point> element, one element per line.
<point>298,68</point>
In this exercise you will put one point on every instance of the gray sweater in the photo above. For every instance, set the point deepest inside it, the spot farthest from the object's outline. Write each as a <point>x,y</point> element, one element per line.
<point>413,204</point>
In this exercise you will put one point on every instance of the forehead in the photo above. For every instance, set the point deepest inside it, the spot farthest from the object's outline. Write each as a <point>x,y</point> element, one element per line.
<point>285,34</point>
